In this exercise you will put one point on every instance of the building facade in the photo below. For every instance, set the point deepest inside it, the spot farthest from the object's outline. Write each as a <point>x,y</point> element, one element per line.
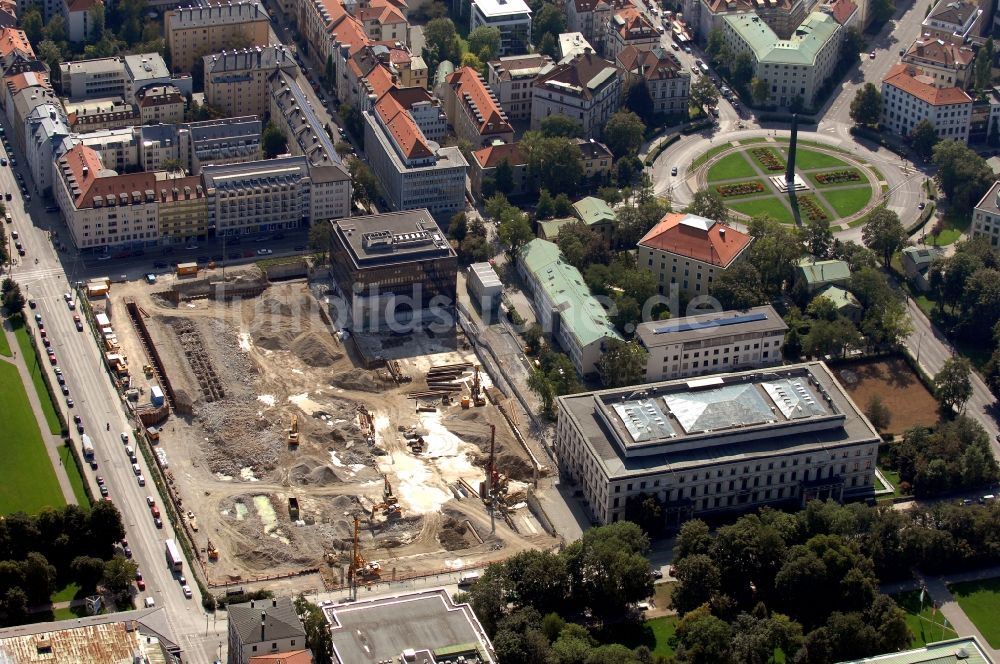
<point>629,27</point>
<point>686,253</point>
<point>236,81</point>
<point>587,88</point>
<point>511,79</point>
<point>262,627</point>
<point>511,17</point>
<point>717,342</point>
<point>949,64</point>
<point>196,31</point>
<point>669,86</point>
<point>233,140</point>
<point>986,217</point>
<point>45,129</point>
<point>732,442</point>
<point>909,97</point>
<point>160,104</point>
<point>473,111</point>
<point>182,209</point>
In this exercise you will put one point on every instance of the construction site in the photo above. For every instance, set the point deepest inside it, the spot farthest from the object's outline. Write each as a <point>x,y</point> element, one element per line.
<point>284,454</point>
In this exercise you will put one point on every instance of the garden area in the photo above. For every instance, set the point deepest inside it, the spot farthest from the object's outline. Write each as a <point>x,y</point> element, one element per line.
<point>750,188</point>
<point>846,202</point>
<point>769,159</point>
<point>980,600</point>
<point>810,209</point>
<point>731,167</point>
<point>924,621</point>
<point>771,206</point>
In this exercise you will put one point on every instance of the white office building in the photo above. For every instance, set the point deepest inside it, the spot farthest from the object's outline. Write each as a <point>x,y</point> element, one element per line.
<point>512,17</point>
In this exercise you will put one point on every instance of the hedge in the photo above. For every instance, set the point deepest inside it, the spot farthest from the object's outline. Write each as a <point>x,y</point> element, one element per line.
<point>921,220</point>
<point>658,150</point>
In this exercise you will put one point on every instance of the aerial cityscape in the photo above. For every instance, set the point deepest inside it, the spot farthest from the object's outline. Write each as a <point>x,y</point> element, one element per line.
<point>500,332</point>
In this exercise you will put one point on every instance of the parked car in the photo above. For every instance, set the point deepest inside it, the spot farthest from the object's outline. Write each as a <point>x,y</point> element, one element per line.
<point>264,252</point>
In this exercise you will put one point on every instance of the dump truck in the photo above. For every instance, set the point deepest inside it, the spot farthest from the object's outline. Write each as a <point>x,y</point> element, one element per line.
<point>156,395</point>
<point>185,269</point>
<point>293,508</point>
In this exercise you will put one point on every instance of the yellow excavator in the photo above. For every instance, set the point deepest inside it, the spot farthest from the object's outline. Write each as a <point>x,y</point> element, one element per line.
<point>390,504</point>
<point>293,432</point>
<point>361,570</point>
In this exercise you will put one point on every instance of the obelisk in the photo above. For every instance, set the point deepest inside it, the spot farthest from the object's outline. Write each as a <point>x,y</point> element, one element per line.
<point>790,170</point>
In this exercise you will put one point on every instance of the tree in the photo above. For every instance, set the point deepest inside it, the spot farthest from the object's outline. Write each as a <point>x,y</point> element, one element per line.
<point>742,70</point>
<point>273,141</point>
<point>554,163</point>
<point>537,579</point>
<point>716,44</point>
<point>853,46</point>
<point>983,65</point>
<point>831,337</point>
<point>866,107</point>
<point>549,21</point>
<point>105,525</point>
<point>561,125</point>
<point>739,287</point>
<point>363,181</point>
<point>703,638</point>
<point>119,573</point>
<point>878,413</point>
<point>608,568</point>
<point>472,61</point>
<point>504,177</point>
<point>55,29</point>
<point>953,384</point>
<point>775,249</point>
<point>759,91</point>
<point>882,11</point>
<point>31,23</point>
<point>13,300</point>
<point>87,571</point>
<point>923,138</point>
<point>698,580</point>
<point>623,363</point>
<point>623,134</point>
<point>546,207</point>
<point>963,174</point>
<point>458,227</point>
<point>318,638</point>
<point>548,45</point>
<point>484,41</point>
<point>515,232</point>
<point>330,73</point>
<point>883,233</point>
<point>639,101</point>
<point>320,235</point>
<point>440,35</point>
<point>703,93</point>
<point>540,384</point>
<point>818,237</point>
<point>707,203</point>
<point>634,222</point>
<point>581,245</point>
<point>39,578</point>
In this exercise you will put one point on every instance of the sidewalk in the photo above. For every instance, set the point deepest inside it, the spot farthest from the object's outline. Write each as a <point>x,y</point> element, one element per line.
<point>52,443</point>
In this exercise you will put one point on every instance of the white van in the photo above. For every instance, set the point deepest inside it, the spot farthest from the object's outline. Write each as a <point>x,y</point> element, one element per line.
<point>150,602</point>
<point>468,579</point>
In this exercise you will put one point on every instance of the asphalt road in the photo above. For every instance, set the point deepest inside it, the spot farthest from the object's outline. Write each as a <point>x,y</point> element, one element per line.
<point>97,403</point>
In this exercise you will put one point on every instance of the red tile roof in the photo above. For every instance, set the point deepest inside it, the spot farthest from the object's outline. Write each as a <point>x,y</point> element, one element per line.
<point>292,657</point>
<point>943,53</point>
<point>349,30</point>
<point>911,80</point>
<point>472,93</point>
<point>489,157</point>
<point>82,5</point>
<point>686,235</point>
<point>380,80</point>
<point>27,79</point>
<point>635,24</point>
<point>84,165</point>
<point>402,127</point>
<point>12,39</point>
<point>651,65</point>
<point>842,10</point>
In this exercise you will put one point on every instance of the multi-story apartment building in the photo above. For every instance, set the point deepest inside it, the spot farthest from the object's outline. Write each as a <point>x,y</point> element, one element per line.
<point>720,341</point>
<point>46,128</point>
<point>396,270</point>
<point>565,308</point>
<point>263,627</point>
<point>668,85</point>
<point>117,148</point>
<point>954,20</point>
<point>731,442</point>
<point>626,27</point>
<point>413,171</point>
<point>117,77</point>
<point>182,209</point>
<point>589,18</point>
<point>293,114</point>
<point>159,146</point>
<point>511,17</point>
<point>473,111</point>
<point>587,88</point>
<point>596,156</point>
<point>986,217</point>
<point>79,19</point>
<point>422,106</point>
<point>236,82</point>
<point>101,114</point>
<point>484,167</point>
<point>783,16</point>
<point>511,79</point>
<point>687,252</point>
<point>909,96</point>
<point>223,141</point>
<point>104,211</point>
<point>25,92</point>
<point>193,32</point>
<point>14,46</point>
<point>572,44</point>
<point>794,68</point>
<point>160,104</point>
<point>949,64</point>
<point>384,22</point>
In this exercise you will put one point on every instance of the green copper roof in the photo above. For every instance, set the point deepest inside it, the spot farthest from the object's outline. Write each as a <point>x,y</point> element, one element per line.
<point>942,652</point>
<point>550,227</point>
<point>823,272</point>
<point>841,298</point>
<point>801,49</point>
<point>581,313</point>
<point>593,211</point>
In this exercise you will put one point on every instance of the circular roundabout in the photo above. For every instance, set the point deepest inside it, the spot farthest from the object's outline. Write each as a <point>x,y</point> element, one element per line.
<point>831,184</point>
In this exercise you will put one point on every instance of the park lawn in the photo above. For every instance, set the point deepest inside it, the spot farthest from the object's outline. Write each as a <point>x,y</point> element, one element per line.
<point>31,359</point>
<point>846,202</point>
<point>770,206</point>
<point>944,238</point>
<point>925,625</point>
<point>69,613</point>
<point>75,478</point>
<point>27,479</point>
<point>821,145</point>
<point>981,602</point>
<point>807,159</point>
<point>654,634</point>
<point>732,167</point>
<point>5,345</point>
<point>748,141</point>
<point>68,592</point>
<point>708,155</point>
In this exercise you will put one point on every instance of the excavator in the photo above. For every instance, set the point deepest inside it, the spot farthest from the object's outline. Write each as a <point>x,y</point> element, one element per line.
<point>477,388</point>
<point>390,504</point>
<point>293,432</point>
<point>361,570</point>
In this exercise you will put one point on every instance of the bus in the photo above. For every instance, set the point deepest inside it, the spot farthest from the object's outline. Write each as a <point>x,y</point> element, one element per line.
<point>174,559</point>
<point>88,449</point>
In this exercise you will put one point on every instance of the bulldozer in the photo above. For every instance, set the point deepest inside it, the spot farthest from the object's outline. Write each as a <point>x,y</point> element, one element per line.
<point>362,570</point>
<point>213,552</point>
<point>390,504</point>
<point>293,432</point>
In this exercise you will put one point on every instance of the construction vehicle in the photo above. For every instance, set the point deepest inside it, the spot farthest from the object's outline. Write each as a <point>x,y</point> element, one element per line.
<point>293,432</point>
<point>390,504</point>
<point>360,569</point>
<point>477,388</point>
<point>293,508</point>
<point>213,552</point>
<point>367,423</point>
<point>147,369</point>
<point>466,403</point>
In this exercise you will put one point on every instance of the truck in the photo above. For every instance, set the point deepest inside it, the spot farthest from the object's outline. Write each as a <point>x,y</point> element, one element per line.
<point>88,448</point>
<point>174,560</point>
<point>468,579</point>
<point>156,395</point>
<point>184,269</point>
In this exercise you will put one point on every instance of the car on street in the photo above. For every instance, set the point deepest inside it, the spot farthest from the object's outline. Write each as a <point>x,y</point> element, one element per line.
<point>127,551</point>
<point>67,296</point>
<point>104,257</point>
<point>965,502</point>
<point>656,574</point>
<point>155,511</point>
<point>31,304</point>
<point>3,162</point>
<point>187,590</point>
<point>78,322</point>
<point>150,501</point>
<point>921,206</point>
<point>76,419</point>
<point>158,522</point>
<point>7,196</point>
<point>673,171</point>
<point>136,469</point>
<point>140,584</point>
<point>100,480</point>
<point>124,437</point>
<point>159,265</point>
<point>141,480</point>
<point>264,252</point>
<point>871,56</point>
<point>104,490</point>
<point>71,304</point>
<point>52,358</point>
<point>65,391</point>
<point>79,429</point>
<point>38,318</point>
<point>69,402</point>
<point>191,247</point>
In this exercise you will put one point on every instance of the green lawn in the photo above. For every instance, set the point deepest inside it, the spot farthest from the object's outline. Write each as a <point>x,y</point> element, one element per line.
<point>846,202</point>
<point>75,478</point>
<point>654,634</point>
<point>71,613</point>
<point>770,206</point>
<point>820,145</point>
<point>66,593</point>
<point>945,237</point>
<point>27,480</point>
<point>893,478</point>
<point>925,625</point>
<point>807,159</point>
<point>748,141</point>
<point>708,155</point>
<point>732,167</point>
<point>28,353</point>
<point>5,345</point>
<point>981,602</point>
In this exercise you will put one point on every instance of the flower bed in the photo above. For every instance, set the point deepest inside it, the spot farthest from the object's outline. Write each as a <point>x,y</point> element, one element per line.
<point>811,209</point>
<point>739,189</point>
<point>832,177</point>
<point>768,159</point>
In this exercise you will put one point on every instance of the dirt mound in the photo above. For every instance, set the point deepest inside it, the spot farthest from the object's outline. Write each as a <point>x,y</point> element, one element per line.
<point>311,473</point>
<point>514,467</point>
<point>274,306</point>
<point>312,349</point>
<point>452,535</point>
<point>323,476</point>
<point>361,381</point>
<point>269,338</point>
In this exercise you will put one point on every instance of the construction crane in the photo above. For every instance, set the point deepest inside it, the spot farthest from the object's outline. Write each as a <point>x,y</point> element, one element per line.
<point>390,504</point>
<point>493,490</point>
<point>477,388</point>
<point>362,570</point>
<point>293,432</point>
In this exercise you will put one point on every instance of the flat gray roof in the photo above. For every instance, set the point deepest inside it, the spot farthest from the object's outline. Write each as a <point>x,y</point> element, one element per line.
<point>381,629</point>
<point>393,237</point>
<point>652,428</point>
<point>710,325</point>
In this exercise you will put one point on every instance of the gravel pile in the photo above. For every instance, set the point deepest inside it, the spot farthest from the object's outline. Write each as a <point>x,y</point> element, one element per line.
<point>237,438</point>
